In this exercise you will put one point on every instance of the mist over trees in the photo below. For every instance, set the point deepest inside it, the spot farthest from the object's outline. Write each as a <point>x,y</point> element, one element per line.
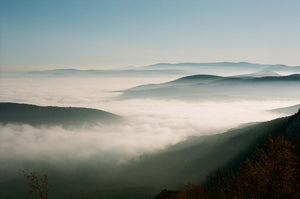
<point>271,172</point>
<point>183,163</point>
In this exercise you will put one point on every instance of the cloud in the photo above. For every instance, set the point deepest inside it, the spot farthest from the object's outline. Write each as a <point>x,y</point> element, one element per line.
<point>151,125</point>
<point>95,158</point>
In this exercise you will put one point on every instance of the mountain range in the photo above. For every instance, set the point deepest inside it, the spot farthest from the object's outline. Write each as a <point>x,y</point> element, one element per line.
<point>213,87</point>
<point>225,67</point>
<point>165,69</point>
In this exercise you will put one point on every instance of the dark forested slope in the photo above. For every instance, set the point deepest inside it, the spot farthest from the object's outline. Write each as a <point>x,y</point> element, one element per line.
<point>194,159</point>
<point>51,115</point>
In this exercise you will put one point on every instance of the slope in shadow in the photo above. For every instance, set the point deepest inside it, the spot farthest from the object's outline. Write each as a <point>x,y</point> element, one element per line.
<point>51,115</point>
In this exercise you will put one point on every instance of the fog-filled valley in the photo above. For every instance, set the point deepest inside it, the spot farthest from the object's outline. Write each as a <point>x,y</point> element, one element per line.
<point>168,127</point>
<point>131,99</point>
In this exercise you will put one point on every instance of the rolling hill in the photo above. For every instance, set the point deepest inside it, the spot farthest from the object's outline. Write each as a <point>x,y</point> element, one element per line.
<point>227,68</point>
<point>211,87</point>
<point>287,110</point>
<point>51,115</point>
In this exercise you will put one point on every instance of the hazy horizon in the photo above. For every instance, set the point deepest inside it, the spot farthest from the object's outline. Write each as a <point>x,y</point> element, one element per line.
<point>112,34</point>
<point>130,67</point>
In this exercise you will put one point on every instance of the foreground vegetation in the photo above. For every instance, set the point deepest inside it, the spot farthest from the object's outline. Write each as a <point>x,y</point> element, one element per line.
<point>273,171</point>
<point>39,187</point>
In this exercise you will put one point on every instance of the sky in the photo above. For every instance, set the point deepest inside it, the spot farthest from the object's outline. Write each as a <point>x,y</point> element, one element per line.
<point>86,34</point>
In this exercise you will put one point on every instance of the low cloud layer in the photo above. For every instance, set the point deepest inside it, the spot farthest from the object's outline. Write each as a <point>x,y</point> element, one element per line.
<point>150,125</point>
<point>97,158</point>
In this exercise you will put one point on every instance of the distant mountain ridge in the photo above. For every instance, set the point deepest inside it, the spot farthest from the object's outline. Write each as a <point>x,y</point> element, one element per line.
<point>226,64</point>
<point>166,69</point>
<point>293,77</point>
<point>221,64</point>
<point>52,115</point>
<point>228,68</point>
<point>210,87</point>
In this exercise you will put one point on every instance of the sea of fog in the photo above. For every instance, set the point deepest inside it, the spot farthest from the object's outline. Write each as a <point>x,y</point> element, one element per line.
<point>149,124</point>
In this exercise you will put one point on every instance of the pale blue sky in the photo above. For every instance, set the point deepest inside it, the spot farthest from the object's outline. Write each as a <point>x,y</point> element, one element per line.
<point>43,34</point>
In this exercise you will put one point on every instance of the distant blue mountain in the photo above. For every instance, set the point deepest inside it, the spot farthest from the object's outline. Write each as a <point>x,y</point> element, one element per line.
<point>225,67</point>
<point>224,64</point>
<point>164,69</point>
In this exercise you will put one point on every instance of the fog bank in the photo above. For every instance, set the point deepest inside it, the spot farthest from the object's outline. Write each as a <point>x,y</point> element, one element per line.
<point>150,124</point>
